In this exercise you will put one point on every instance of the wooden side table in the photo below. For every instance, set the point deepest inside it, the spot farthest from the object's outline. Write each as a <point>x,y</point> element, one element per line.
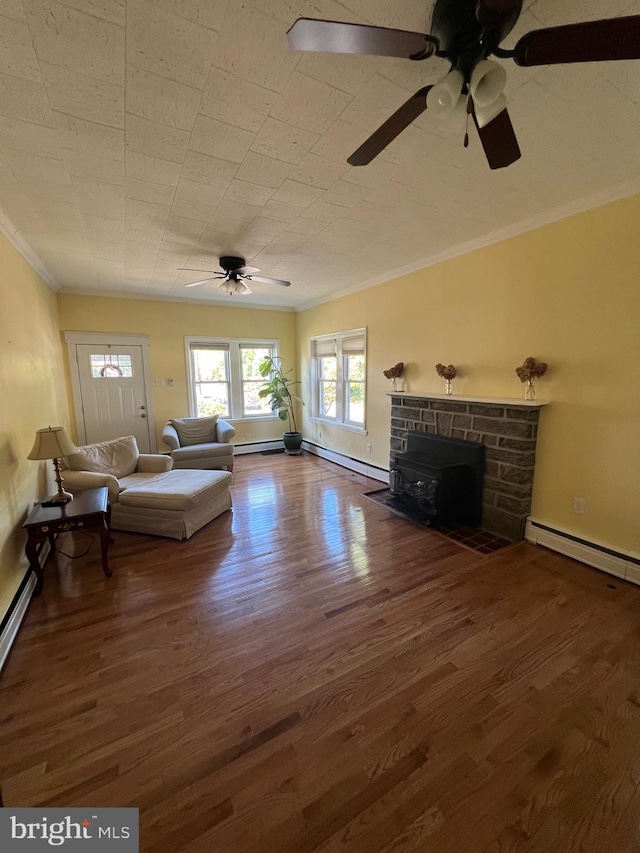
<point>88,510</point>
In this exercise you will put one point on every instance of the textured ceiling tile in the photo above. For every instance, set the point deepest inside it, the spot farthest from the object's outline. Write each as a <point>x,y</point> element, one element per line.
<point>145,214</point>
<point>98,168</point>
<point>192,209</point>
<point>17,57</point>
<point>551,13</point>
<point>281,211</point>
<point>232,99</point>
<point>24,100</point>
<point>306,226</point>
<point>249,193</point>
<point>30,138</point>
<point>107,251</point>
<point>339,142</point>
<point>324,212</point>
<point>208,13</point>
<point>283,142</point>
<point>302,195</point>
<point>147,191</point>
<point>271,63</point>
<point>309,104</point>
<point>84,97</point>
<point>75,41</point>
<point>199,193</point>
<point>261,230</point>
<point>89,138</point>
<point>347,73</point>
<point>12,9</point>
<point>108,10</point>
<point>168,45</point>
<point>208,170</point>
<point>318,171</point>
<point>262,170</point>
<point>160,100</point>
<point>221,140</point>
<point>179,229</point>
<point>33,168</point>
<point>107,230</point>
<point>152,169</point>
<point>96,198</point>
<point>156,140</point>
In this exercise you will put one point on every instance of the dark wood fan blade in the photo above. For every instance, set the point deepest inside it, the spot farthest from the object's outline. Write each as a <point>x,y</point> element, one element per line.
<point>499,141</point>
<point>205,280</point>
<point>270,280</point>
<point>591,41</point>
<point>337,37</point>
<point>392,127</point>
<point>247,270</point>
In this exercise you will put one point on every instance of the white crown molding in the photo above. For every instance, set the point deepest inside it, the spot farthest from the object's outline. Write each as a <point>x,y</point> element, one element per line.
<point>227,301</point>
<point>20,245</point>
<point>588,202</point>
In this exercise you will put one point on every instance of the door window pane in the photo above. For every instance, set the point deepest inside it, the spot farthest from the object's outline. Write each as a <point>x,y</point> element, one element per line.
<point>110,366</point>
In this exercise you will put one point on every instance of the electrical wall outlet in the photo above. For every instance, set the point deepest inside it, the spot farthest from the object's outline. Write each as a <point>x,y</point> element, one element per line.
<point>579,506</point>
<point>159,383</point>
<point>247,436</point>
<point>319,433</point>
<point>368,448</point>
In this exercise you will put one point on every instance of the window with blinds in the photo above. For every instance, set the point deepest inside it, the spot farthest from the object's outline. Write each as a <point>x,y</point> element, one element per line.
<point>338,377</point>
<point>224,378</point>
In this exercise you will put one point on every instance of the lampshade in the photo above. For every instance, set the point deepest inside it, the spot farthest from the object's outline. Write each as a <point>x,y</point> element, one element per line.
<point>235,288</point>
<point>52,443</point>
<point>443,97</point>
<point>488,80</point>
<point>486,114</point>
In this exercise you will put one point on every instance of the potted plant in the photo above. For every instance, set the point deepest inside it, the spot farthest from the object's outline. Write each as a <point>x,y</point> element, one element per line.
<point>278,391</point>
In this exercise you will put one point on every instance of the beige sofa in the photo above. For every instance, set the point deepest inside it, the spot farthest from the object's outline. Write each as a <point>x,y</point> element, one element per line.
<point>200,442</point>
<point>145,493</point>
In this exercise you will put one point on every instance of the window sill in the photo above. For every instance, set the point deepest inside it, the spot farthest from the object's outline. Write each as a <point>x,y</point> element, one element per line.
<point>338,425</point>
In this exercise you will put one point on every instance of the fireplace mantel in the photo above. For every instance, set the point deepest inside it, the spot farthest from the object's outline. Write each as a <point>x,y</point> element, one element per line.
<point>461,398</point>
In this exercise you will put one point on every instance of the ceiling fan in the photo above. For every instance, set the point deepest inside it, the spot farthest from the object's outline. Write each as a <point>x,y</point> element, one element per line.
<point>234,276</point>
<point>466,33</point>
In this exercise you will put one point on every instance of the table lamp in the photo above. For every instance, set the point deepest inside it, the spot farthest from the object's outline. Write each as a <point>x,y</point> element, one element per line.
<point>52,443</point>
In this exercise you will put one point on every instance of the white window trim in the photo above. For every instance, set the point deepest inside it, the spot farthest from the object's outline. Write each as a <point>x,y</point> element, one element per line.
<point>234,345</point>
<point>338,421</point>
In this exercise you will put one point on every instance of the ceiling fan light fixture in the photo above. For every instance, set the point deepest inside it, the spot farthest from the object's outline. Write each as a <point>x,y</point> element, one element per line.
<point>487,83</point>
<point>235,288</point>
<point>443,98</point>
<point>484,115</point>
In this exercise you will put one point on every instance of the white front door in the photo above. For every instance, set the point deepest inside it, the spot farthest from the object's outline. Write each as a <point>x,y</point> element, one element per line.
<point>113,393</point>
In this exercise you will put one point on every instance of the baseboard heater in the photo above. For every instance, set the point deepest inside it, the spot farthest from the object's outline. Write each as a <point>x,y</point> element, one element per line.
<point>374,472</point>
<point>11,621</point>
<point>618,563</point>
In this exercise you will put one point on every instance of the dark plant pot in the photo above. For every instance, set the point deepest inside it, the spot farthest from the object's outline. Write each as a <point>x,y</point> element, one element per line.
<point>292,441</point>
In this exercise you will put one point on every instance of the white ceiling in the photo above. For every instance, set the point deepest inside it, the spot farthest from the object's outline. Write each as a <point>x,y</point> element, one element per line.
<point>137,137</point>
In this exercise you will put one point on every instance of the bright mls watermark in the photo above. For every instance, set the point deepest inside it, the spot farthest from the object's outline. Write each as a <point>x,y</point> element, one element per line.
<point>104,830</point>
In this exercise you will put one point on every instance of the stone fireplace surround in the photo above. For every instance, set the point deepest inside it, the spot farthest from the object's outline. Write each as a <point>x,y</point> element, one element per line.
<point>508,428</point>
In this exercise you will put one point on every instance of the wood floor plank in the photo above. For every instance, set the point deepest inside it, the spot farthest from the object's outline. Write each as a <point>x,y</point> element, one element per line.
<point>311,672</point>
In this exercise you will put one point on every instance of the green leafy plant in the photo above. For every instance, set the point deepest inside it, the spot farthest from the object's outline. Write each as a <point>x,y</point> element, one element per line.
<point>277,390</point>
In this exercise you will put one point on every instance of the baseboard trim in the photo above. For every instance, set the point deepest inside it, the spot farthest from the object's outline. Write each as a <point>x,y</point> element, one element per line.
<point>257,447</point>
<point>374,472</point>
<point>608,560</point>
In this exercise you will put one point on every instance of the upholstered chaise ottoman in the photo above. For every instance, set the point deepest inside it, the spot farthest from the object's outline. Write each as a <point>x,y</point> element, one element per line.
<point>174,504</point>
<point>145,494</point>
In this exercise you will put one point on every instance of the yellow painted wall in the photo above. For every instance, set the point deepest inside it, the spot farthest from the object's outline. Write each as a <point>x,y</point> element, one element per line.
<point>167,324</point>
<point>32,396</point>
<point>567,293</point>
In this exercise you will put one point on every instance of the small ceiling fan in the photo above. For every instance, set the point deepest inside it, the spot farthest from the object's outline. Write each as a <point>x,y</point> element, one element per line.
<point>234,276</point>
<point>466,33</point>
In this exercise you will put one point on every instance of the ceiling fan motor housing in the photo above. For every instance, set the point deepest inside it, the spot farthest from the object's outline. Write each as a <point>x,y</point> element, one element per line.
<point>469,30</point>
<point>229,263</point>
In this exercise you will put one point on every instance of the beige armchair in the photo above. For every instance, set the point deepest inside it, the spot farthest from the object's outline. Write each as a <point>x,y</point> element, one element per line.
<point>145,493</point>
<point>200,442</point>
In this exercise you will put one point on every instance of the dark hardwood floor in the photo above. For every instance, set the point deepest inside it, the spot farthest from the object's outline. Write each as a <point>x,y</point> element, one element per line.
<point>313,673</point>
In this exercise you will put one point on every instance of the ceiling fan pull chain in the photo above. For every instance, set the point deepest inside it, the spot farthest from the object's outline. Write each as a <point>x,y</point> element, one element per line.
<point>466,127</point>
